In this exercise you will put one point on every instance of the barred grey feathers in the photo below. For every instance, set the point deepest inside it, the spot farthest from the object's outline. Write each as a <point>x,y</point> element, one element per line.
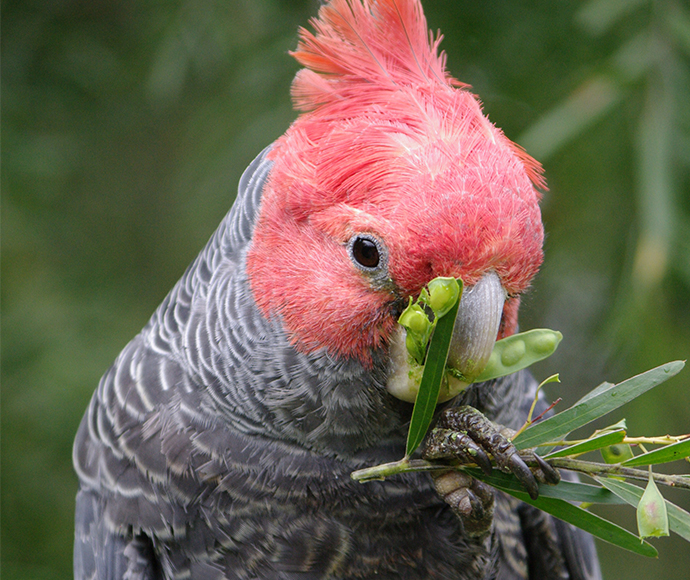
<point>213,449</point>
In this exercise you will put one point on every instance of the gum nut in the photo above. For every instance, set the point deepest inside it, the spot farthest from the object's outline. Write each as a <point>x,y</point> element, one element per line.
<point>414,319</point>
<point>443,294</point>
<point>616,453</point>
<point>652,519</point>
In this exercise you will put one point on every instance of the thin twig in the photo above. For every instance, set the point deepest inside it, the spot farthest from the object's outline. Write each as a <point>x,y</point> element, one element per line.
<point>592,468</point>
<point>406,465</point>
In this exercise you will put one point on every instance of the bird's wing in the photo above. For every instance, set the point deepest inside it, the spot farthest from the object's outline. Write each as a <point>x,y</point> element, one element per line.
<point>135,430</point>
<point>99,553</point>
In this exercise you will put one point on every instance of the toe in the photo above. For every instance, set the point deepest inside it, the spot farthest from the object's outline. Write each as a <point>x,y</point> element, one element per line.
<point>551,474</point>
<point>516,465</point>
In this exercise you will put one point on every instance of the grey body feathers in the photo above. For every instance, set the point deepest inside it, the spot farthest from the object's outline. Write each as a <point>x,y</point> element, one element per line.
<point>213,449</point>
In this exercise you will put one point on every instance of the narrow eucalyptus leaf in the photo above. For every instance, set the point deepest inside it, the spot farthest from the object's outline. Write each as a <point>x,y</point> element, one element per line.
<point>622,424</point>
<point>434,369</point>
<point>665,454</point>
<point>592,444</point>
<point>595,525</point>
<point>594,406</point>
<point>565,490</point>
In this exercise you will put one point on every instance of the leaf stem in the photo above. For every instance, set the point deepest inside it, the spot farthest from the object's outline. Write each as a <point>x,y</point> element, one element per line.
<point>592,468</point>
<point>552,379</point>
<point>663,440</point>
<point>406,465</point>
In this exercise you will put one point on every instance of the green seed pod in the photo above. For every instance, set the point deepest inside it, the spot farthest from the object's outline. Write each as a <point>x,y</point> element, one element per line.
<point>545,342</point>
<point>616,453</point>
<point>519,351</point>
<point>418,329</point>
<point>415,347</point>
<point>652,519</point>
<point>415,320</point>
<point>513,353</point>
<point>443,294</point>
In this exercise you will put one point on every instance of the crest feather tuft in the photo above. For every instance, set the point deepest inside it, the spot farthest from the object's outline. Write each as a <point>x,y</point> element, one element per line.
<point>356,42</point>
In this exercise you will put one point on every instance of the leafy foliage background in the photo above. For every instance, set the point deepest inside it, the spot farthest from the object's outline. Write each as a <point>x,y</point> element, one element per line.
<point>126,126</point>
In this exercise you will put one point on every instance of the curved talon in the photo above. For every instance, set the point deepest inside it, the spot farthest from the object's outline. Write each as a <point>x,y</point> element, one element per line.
<point>542,470</point>
<point>551,474</point>
<point>516,465</point>
<point>476,454</point>
<point>483,461</point>
<point>478,511</point>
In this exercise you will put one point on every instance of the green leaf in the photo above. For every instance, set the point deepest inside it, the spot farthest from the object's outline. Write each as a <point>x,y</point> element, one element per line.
<point>596,391</point>
<point>600,402</point>
<point>565,490</point>
<point>665,454</point>
<point>592,444</point>
<point>622,424</point>
<point>678,519</point>
<point>592,523</point>
<point>434,369</point>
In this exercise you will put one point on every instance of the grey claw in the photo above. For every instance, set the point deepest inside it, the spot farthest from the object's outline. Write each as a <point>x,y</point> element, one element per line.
<point>551,474</point>
<point>470,499</point>
<point>478,511</point>
<point>524,475</point>
<point>483,461</point>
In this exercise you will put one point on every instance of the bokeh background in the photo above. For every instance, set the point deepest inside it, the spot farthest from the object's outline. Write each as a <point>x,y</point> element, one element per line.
<point>126,125</point>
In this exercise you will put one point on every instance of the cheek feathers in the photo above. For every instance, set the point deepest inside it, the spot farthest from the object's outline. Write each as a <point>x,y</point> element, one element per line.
<point>306,279</point>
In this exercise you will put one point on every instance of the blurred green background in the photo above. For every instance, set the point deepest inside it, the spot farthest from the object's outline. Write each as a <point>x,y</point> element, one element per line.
<point>126,125</point>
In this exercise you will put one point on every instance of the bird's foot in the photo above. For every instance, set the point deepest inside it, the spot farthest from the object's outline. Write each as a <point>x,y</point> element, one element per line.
<point>470,499</point>
<point>465,434</point>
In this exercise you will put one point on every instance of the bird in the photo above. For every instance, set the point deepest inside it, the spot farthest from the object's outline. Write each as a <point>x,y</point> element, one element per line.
<point>220,443</point>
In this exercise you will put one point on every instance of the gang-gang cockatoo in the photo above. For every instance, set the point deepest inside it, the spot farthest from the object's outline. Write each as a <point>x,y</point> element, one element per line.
<point>220,443</point>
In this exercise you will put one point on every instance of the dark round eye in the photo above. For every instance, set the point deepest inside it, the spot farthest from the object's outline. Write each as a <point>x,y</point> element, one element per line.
<point>365,252</point>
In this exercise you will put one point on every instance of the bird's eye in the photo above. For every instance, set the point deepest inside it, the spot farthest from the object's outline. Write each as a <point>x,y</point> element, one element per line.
<point>365,252</point>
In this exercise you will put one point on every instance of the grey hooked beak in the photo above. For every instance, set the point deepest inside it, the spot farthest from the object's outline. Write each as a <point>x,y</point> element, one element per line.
<point>476,327</point>
<point>474,335</point>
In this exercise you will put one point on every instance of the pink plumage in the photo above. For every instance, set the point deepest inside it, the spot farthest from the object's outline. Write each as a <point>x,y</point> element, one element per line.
<point>381,43</point>
<point>390,145</point>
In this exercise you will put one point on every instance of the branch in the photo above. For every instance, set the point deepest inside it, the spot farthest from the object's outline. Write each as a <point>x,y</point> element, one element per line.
<point>605,469</point>
<point>406,465</point>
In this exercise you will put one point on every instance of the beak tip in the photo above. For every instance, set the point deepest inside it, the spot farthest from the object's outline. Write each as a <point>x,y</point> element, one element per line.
<point>477,325</point>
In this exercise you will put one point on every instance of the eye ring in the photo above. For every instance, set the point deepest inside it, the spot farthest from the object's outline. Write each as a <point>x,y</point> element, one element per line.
<point>367,252</point>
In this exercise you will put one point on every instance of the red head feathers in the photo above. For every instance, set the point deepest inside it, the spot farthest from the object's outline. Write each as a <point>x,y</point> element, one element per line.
<point>392,148</point>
